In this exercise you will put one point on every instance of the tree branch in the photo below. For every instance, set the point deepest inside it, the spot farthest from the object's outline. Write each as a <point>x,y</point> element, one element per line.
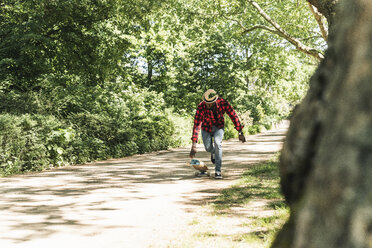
<point>326,8</point>
<point>280,31</point>
<point>247,30</point>
<point>272,30</point>
<point>318,18</point>
<point>231,19</point>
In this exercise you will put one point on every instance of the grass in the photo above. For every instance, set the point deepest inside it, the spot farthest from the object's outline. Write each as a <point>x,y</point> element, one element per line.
<point>261,181</point>
<point>248,214</point>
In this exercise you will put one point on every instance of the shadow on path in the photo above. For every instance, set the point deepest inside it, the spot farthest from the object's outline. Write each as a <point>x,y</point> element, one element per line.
<point>124,198</point>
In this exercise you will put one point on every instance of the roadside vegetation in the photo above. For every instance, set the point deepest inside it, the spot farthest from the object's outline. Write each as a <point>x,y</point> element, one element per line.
<point>90,80</point>
<point>248,214</point>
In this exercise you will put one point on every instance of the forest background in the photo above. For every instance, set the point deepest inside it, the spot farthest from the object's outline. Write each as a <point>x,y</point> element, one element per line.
<point>90,80</point>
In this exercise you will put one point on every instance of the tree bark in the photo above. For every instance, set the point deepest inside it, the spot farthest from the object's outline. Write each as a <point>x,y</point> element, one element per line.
<point>326,162</point>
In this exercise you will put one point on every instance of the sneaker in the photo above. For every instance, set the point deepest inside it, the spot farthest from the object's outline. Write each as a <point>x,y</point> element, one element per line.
<point>218,175</point>
<point>212,158</point>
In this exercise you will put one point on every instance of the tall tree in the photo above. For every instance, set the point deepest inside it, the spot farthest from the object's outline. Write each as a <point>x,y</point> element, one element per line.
<point>326,159</point>
<point>211,52</point>
<point>44,39</point>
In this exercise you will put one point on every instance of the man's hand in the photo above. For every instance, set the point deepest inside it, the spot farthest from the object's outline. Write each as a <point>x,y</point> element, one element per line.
<point>241,137</point>
<point>193,150</point>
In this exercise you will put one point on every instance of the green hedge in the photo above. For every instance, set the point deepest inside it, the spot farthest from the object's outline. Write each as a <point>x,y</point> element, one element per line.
<point>33,142</point>
<point>36,142</point>
<point>93,123</point>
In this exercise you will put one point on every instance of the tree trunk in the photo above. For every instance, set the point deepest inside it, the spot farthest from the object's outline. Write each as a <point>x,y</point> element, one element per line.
<point>326,162</point>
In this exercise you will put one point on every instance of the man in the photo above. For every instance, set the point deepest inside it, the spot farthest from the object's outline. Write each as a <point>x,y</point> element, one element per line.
<point>210,116</point>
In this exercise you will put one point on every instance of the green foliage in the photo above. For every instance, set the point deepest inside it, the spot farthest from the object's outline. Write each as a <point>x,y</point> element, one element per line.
<point>88,80</point>
<point>230,131</point>
<point>120,123</point>
<point>85,39</point>
<point>33,142</point>
<point>183,125</point>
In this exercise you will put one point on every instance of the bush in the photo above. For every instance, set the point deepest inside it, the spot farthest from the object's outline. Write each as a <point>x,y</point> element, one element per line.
<point>36,142</point>
<point>182,128</point>
<point>114,121</point>
<point>153,134</point>
<point>128,122</point>
<point>245,119</point>
<point>33,142</point>
<point>230,131</point>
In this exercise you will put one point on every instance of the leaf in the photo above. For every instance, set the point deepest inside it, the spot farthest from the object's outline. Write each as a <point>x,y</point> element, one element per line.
<point>59,150</point>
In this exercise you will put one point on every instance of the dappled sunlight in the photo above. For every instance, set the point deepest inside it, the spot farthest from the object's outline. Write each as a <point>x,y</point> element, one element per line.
<point>152,195</point>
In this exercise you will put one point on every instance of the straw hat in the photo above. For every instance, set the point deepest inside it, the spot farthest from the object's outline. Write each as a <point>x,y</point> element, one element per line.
<point>210,96</point>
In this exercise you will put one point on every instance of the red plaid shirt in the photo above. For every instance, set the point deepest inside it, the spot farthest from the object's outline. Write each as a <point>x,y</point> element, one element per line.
<point>204,117</point>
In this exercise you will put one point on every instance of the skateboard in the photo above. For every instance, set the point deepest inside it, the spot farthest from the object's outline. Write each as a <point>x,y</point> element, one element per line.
<point>202,169</point>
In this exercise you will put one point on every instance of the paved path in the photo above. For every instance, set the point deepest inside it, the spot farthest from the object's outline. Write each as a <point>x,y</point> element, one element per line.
<point>139,201</point>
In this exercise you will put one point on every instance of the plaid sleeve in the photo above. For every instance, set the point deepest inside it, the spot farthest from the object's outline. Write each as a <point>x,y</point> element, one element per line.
<point>233,116</point>
<point>197,124</point>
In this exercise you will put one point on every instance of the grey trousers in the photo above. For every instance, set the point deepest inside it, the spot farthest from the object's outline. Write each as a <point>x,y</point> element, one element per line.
<point>214,145</point>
